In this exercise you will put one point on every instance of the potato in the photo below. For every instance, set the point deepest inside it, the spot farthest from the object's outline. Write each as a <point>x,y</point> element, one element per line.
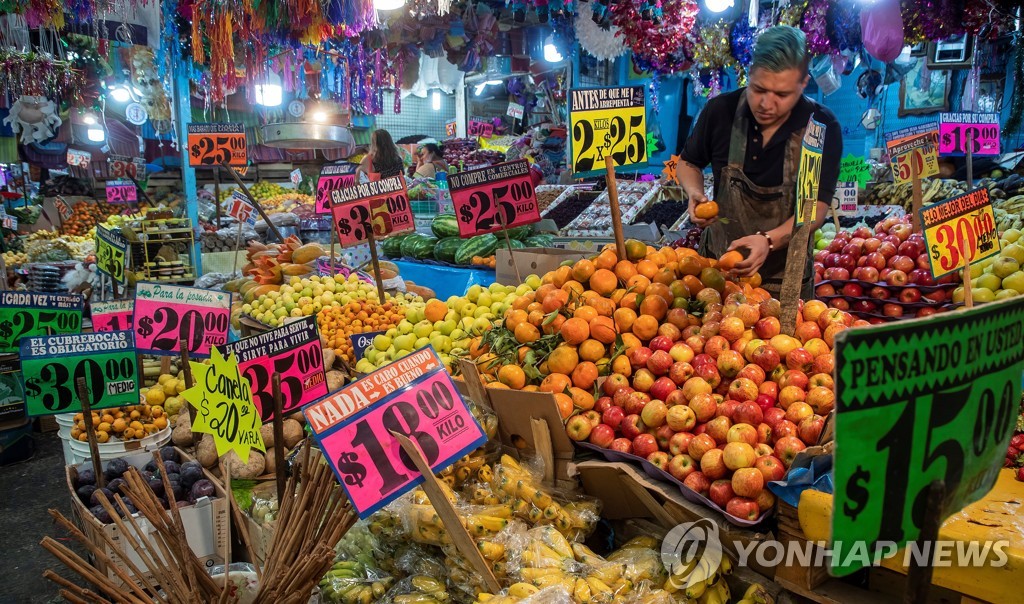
<point>335,380</point>
<point>269,464</point>
<point>297,416</point>
<point>328,358</point>
<point>267,432</point>
<point>206,452</point>
<point>244,471</point>
<point>181,436</point>
<point>292,433</point>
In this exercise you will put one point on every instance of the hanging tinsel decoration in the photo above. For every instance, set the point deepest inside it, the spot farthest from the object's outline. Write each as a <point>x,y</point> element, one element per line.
<point>792,14</point>
<point>913,30</point>
<point>661,48</point>
<point>844,26</point>
<point>814,25</point>
<point>712,54</point>
<point>1013,122</point>
<point>939,18</point>
<point>37,74</point>
<point>741,43</point>
<point>601,42</point>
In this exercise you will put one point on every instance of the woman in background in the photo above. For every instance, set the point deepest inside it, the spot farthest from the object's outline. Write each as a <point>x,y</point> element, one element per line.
<point>429,160</point>
<point>383,158</point>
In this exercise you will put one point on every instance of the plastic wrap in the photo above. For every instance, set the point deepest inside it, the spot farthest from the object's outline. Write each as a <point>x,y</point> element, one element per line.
<point>417,589</point>
<point>352,582</point>
<point>243,576</point>
<point>264,506</point>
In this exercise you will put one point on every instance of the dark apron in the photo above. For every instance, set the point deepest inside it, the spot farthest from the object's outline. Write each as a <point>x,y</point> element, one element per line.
<point>750,208</point>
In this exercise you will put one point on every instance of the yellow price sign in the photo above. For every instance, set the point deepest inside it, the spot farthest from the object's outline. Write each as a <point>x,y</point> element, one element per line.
<point>224,407</point>
<point>607,121</point>
<point>914,153</point>
<point>959,231</point>
<point>808,176</point>
<point>111,254</point>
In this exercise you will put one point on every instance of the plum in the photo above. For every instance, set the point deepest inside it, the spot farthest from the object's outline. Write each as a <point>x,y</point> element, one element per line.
<point>115,468</point>
<point>116,484</point>
<point>172,467</point>
<point>95,498</point>
<point>101,514</point>
<point>150,466</point>
<point>201,488</point>
<point>191,472</point>
<point>85,493</point>
<point>86,477</point>
<point>169,454</point>
<point>177,490</point>
<point>157,486</point>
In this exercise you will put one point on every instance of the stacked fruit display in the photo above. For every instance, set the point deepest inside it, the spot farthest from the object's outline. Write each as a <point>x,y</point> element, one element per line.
<point>133,422</point>
<point>339,324</point>
<point>86,215</point>
<point>447,247</point>
<point>882,275</point>
<point>999,277</point>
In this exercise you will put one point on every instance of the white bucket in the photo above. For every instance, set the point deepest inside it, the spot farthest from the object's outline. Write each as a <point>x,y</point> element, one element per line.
<point>77,451</point>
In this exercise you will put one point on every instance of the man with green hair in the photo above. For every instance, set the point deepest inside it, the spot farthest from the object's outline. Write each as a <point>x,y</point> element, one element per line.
<point>752,139</point>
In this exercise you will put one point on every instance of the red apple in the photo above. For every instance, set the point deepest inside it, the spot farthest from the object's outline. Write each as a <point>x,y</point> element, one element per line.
<point>736,455</point>
<point>921,276</point>
<point>659,459</point>
<point>700,445</point>
<point>622,445</point>
<point>679,443</point>
<point>892,310</point>
<point>638,356</point>
<point>925,311</point>
<point>852,249</point>
<point>614,383</point>
<point>861,232</point>
<point>636,402</point>
<point>662,387</point>
<point>823,363</point>
<point>799,359</point>
<point>726,408</point>
<point>794,377</point>
<point>681,418</point>
<point>837,273</point>
<point>879,293</point>
<point>602,435</point>
<point>676,397</point>
<point>765,500</point>
<point>680,372</point>
<point>787,448</point>
<point>766,357</point>
<point>632,426</point>
<point>664,435</point>
<point>729,363</point>
<point>810,429</point>
<point>901,230</point>
<point>643,379</point>
<point>910,295</point>
<point>622,396</point>
<point>887,250</point>
<point>745,433</point>
<point>593,417</point>
<point>764,433</point>
<point>644,444</point>
<point>744,508</point>
<point>681,466</point>
<point>869,274</point>
<point>663,343</point>
<point>752,372</point>
<point>871,244</point>
<point>613,416</point>
<point>721,492</point>
<point>718,429</point>
<point>578,427</point>
<point>773,416</point>
<point>659,363</point>
<point>896,278</point>
<point>770,389</point>
<point>904,264</point>
<point>770,467</point>
<point>797,411</point>
<point>782,429</point>
<point>747,482</point>
<point>853,290</point>
<point>925,265</point>
<point>697,482</point>
<point>819,380</point>
<point>767,328</point>
<point>742,389</point>
<point>709,373</point>
<point>680,352</point>
<point>603,403</point>
<point>704,407</point>
<point>712,464</point>
<point>748,412</point>
<point>910,248</point>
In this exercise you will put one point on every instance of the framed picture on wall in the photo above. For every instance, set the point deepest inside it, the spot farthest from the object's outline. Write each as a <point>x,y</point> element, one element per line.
<point>924,90</point>
<point>990,95</point>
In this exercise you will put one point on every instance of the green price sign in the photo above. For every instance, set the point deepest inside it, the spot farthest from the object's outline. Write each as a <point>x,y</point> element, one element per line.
<point>51,366</point>
<point>25,314</point>
<point>920,401</point>
<point>111,254</point>
<point>853,168</point>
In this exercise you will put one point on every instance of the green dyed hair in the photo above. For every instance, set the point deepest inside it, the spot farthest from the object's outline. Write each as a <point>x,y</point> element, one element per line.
<point>780,48</point>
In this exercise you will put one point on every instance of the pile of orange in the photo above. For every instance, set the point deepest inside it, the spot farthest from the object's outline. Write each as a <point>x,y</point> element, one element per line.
<point>489,261</point>
<point>604,306</point>
<point>124,423</point>
<point>84,216</point>
<point>339,323</point>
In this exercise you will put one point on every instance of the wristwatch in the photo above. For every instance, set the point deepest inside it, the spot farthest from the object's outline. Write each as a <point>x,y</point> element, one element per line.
<point>771,244</point>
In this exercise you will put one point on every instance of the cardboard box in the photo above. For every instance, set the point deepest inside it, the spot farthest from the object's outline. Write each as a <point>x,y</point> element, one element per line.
<point>261,536</point>
<point>531,261</point>
<point>530,422</point>
<point>206,523</point>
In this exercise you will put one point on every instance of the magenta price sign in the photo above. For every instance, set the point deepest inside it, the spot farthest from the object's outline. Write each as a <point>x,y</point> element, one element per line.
<point>121,191</point>
<point>333,178</point>
<point>170,314</point>
<point>293,351</point>
<point>492,197</point>
<point>369,462</point>
<point>112,316</point>
<point>981,128</point>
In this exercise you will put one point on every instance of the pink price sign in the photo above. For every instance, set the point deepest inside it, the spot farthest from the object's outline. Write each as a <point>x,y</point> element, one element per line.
<point>381,207</point>
<point>170,314</point>
<point>121,191</point>
<point>112,316</point>
<point>981,129</point>
<point>370,463</point>
<point>333,178</point>
<point>494,197</point>
<point>294,352</point>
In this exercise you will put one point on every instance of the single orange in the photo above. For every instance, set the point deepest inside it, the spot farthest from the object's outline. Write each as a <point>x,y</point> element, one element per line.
<point>604,306</point>
<point>563,359</point>
<point>630,341</point>
<point>645,327</point>
<point>624,318</point>
<point>526,332</point>
<point>606,260</point>
<point>693,284</point>
<point>536,317</point>
<point>575,331</point>
<point>573,288</point>
<point>565,406</point>
<point>637,283</point>
<point>624,270</point>
<point>647,268</point>
<point>584,376</point>
<point>581,399</point>
<point>654,306</point>
<point>554,325</point>
<point>543,291</point>
<point>555,382</point>
<point>512,376</point>
<point>603,281</point>
<point>585,312</point>
<point>514,318</point>
<point>706,210</point>
<point>561,275</point>
<point>620,364</point>
<point>661,290</point>
<point>602,329</point>
<point>729,259</point>
<point>635,250</point>
<point>555,300</point>
<point>689,265</point>
<point>591,350</point>
<point>712,277</point>
<point>477,347</point>
<point>630,301</point>
<point>583,270</point>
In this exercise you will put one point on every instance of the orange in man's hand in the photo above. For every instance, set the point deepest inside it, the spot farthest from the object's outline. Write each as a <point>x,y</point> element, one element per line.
<point>729,260</point>
<point>706,210</point>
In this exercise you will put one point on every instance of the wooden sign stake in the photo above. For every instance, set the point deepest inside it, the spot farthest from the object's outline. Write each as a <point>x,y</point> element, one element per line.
<point>186,368</point>
<point>970,159</point>
<point>216,193</point>
<point>477,391</point>
<point>458,533</point>
<point>334,240</point>
<point>278,435</point>
<point>255,204</point>
<point>508,242</point>
<point>238,244</point>
<point>90,432</point>
<point>915,219</point>
<point>376,264</point>
<point>613,200</point>
<point>919,578</point>
<point>968,296</point>
<point>796,263</point>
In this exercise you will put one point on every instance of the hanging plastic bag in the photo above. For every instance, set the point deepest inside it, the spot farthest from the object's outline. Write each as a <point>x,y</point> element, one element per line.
<point>881,27</point>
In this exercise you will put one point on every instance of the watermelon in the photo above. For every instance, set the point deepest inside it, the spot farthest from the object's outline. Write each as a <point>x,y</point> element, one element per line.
<point>539,241</point>
<point>392,246</point>
<point>418,246</point>
<point>445,225</point>
<point>516,244</point>
<point>446,248</point>
<point>481,245</point>
<point>520,232</point>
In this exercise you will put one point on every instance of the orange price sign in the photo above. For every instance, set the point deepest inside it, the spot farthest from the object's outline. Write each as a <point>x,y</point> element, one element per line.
<point>918,152</point>
<point>381,207</point>
<point>959,231</point>
<point>216,144</point>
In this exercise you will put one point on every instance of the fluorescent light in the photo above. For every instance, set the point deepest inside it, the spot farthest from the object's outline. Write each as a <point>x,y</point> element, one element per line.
<point>388,4</point>
<point>89,119</point>
<point>435,100</point>
<point>269,93</point>
<point>319,116</point>
<point>717,6</point>
<point>551,54</point>
<point>96,135</point>
<point>479,89</point>
<point>120,94</point>
<point>493,83</point>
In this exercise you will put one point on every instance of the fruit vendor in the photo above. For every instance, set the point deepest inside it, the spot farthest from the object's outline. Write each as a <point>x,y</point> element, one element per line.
<point>752,139</point>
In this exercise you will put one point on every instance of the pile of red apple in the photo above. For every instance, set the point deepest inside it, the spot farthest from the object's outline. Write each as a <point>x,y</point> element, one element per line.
<point>881,276</point>
<point>721,409</point>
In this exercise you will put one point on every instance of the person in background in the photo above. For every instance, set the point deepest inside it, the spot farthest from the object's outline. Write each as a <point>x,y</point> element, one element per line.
<point>752,139</point>
<point>384,158</point>
<point>429,160</point>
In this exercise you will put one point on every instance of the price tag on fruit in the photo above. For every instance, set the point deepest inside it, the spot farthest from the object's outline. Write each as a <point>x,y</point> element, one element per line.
<point>293,351</point>
<point>427,408</point>
<point>607,121</point>
<point>122,166</point>
<point>481,129</point>
<point>51,366</point>
<point>362,341</point>
<point>380,205</point>
<point>515,110</point>
<point>224,407</point>
<point>241,209</point>
<point>112,316</point>
<point>295,176</point>
<point>111,254</point>
<point>809,172</point>
<point>169,314</point>
<point>981,128</point>
<point>216,144</point>
<point>332,178</point>
<point>959,231</point>
<point>492,197</point>
<point>919,401</point>
<point>33,313</point>
<point>917,152</point>
<point>63,208</point>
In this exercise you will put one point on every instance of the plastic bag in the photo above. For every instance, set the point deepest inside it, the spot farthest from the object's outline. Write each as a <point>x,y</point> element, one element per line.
<point>243,576</point>
<point>881,27</point>
<point>417,589</point>
<point>524,593</point>
<point>352,582</point>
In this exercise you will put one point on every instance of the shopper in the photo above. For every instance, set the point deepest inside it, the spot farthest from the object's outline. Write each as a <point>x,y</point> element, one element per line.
<point>752,139</point>
<point>429,160</point>
<point>383,158</point>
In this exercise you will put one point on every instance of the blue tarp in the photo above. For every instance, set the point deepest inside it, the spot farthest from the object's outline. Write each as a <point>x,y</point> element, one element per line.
<point>444,280</point>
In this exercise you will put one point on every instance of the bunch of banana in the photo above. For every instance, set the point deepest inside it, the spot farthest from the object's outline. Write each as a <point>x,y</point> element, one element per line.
<point>514,485</point>
<point>462,574</point>
<point>698,579</point>
<point>515,593</point>
<point>1006,220</point>
<point>15,258</point>
<point>347,583</point>
<point>757,594</point>
<point>424,590</point>
<point>426,526</point>
<point>472,466</point>
<point>641,560</point>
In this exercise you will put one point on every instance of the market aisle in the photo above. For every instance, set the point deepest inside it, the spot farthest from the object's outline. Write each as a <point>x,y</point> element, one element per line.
<point>30,488</point>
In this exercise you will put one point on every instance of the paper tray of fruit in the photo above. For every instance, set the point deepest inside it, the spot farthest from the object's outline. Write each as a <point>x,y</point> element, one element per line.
<point>689,494</point>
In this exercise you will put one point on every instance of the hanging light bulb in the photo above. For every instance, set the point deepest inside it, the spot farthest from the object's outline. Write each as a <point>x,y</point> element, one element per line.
<point>388,4</point>
<point>96,135</point>
<point>89,119</point>
<point>269,93</point>
<point>435,100</point>
<point>120,94</point>
<point>717,6</point>
<point>551,53</point>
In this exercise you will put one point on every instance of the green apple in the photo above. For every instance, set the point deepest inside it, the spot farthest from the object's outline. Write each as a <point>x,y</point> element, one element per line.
<point>498,308</point>
<point>484,299</point>
<point>405,327</point>
<point>958,295</point>
<point>1014,281</point>
<point>423,329</point>
<point>1011,235</point>
<point>405,342</point>
<point>446,327</point>
<point>990,282</point>
<point>441,343</point>
<point>420,343</point>
<point>482,311</point>
<point>481,324</point>
<point>370,354</point>
<point>523,289</point>
<point>1015,251</point>
<point>1004,266</point>
<point>533,281</point>
<point>468,309</point>
<point>473,293</point>
<point>457,333</point>
<point>382,342</point>
<point>466,323</point>
<point>983,294</point>
<point>365,366</point>
<point>1006,294</point>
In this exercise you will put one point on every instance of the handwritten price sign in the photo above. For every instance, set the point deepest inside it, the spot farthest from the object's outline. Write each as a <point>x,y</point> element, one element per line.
<point>370,464</point>
<point>381,205</point>
<point>983,129</point>
<point>121,191</point>
<point>51,366</point>
<point>216,144</point>
<point>79,159</point>
<point>63,209</point>
<point>169,314</point>
<point>333,178</point>
<point>224,407</point>
<point>122,166</point>
<point>488,198</point>
<point>924,400</point>
<point>241,209</point>
<point>914,153</point>
<point>607,121</point>
<point>959,231</point>
<point>112,316</point>
<point>809,171</point>
<point>294,351</point>
<point>24,314</point>
<point>111,254</point>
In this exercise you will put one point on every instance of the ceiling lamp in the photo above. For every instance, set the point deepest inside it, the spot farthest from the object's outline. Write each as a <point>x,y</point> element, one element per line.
<point>270,93</point>
<point>718,6</point>
<point>388,4</point>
